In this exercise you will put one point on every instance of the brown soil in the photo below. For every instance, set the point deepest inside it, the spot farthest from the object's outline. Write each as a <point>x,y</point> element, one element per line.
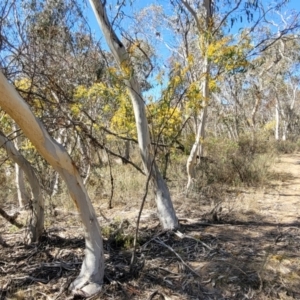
<point>232,244</point>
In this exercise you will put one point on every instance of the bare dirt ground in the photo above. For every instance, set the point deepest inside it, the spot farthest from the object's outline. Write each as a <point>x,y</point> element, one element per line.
<point>233,244</point>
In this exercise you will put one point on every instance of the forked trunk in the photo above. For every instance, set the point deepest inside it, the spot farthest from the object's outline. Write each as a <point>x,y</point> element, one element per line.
<point>166,212</point>
<point>197,148</point>
<point>35,224</point>
<point>90,278</point>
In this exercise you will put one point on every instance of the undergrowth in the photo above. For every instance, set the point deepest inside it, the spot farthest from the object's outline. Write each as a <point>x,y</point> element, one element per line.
<point>245,162</point>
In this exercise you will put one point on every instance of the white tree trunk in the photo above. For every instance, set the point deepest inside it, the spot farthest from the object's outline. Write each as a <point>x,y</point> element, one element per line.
<point>288,116</point>
<point>21,189</point>
<point>90,278</point>
<point>166,212</point>
<point>54,180</point>
<point>284,130</point>
<point>277,120</point>
<point>198,145</point>
<point>54,185</point>
<point>20,184</point>
<point>35,224</point>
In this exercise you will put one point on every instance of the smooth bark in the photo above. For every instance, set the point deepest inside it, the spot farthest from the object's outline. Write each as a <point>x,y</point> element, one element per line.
<point>20,183</point>
<point>277,119</point>
<point>21,189</point>
<point>90,278</point>
<point>35,224</point>
<point>54,180</point>
<point>166,212</point>
<point>197,148</point>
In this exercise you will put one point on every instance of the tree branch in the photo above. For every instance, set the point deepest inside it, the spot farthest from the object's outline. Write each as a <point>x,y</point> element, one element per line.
<point>11,219</point>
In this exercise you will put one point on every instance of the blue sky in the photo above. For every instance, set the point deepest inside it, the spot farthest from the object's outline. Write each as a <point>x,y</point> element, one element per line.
<point>293,5</point>
<point>139,4</point>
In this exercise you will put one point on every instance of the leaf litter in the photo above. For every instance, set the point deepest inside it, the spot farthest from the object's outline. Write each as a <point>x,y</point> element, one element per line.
<point>243,253</point>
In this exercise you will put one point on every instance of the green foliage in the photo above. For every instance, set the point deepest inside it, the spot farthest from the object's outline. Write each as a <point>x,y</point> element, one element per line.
<point>164,120</point>
<point>123,121</point>
<point>26,89</point>
<point>228,55</point>
<point>116,235</point>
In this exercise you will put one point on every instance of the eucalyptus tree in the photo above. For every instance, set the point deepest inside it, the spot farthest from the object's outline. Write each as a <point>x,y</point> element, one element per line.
<point>166,212</point>
<point>91,276</point>
<point>204,28</point>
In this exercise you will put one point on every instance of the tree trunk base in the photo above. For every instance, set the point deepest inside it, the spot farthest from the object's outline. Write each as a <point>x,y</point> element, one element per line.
<point>81,287</point>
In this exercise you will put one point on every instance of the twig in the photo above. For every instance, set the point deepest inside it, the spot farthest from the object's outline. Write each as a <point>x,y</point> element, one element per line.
<point>103,216</point>
<point>133,257</point>
<point>41,280</point>
<point>172,250</point>
<point>148,242</point>
<point>111,181</point>
<point>155,293</point>
<point>182,236</point>
<point>232,265</point>
<point>46,296</point>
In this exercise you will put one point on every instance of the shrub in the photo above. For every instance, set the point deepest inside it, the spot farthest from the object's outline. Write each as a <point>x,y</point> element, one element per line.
<point>245,161</point>
<point>286,147</point>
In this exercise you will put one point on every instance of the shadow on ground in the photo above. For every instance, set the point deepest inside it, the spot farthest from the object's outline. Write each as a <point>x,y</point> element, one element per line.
<point>228,259</point>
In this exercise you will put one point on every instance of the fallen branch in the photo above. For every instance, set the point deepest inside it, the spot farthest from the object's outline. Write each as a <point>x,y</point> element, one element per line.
<point>11,219</point>
<point>182,236</point>
<point>33,279</point>
<point>172,250</point>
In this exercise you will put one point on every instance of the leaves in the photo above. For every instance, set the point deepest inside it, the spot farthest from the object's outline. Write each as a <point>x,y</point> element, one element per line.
<point>229,55</point>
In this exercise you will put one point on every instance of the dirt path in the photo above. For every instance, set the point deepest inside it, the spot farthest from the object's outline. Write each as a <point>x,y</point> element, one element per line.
<point>282,199</point>
<point>262,235</point>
